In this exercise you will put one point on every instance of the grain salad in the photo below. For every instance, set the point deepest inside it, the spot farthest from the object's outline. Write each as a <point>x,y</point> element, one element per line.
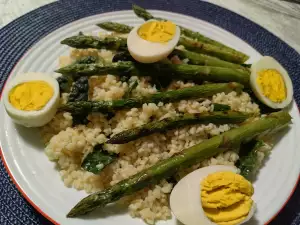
<point>156,119</point>
<point>141,114</point>
<point>67,145</point>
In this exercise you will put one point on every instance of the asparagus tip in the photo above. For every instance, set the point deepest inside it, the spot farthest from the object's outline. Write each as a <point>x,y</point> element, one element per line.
<point>236,86</point>
<point>135,6</point>
<point>60,70</point>
<point>64,42</point>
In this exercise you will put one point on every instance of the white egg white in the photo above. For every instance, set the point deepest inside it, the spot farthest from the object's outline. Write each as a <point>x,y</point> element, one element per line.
<point>149,52</point>
<point>264,63</point>
<point>185,199</point>
<point>32,118</point>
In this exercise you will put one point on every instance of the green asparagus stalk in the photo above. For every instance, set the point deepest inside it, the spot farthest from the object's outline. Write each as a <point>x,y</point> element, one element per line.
<point>177,122</point>
<point>203,73</point>
<point>118,68</point>
<point>184,159</point>
<point>181,72</point>
<point>144,14</point>
<point>206,60</point>
<point>209,49</point>
<point>199,91</point>
<point>116,27</point>
<point>83,41</point>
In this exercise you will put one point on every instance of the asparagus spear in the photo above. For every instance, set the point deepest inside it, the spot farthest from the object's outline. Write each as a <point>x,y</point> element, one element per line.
<point>202,59</point>
<point>116,27</point>
<point>193,57</point>
<point>209,49</point>
<point>177,122</point>
<point>186,158</point>
<point>119,68</point>
<point>181,72</point>
<point>203,73</point>
<point>144,14</point>
<point>83,41</point>
<point>194,92</point>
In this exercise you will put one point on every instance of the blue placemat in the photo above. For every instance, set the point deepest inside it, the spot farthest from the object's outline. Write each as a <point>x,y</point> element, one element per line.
<point>18,36</point>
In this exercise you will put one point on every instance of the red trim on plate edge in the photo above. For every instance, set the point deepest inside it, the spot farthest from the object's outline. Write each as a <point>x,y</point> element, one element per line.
<point>56,223</point>
<point>7,168</point>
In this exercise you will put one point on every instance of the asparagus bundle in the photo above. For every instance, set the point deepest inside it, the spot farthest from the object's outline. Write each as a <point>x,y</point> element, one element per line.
<point>199,91</point>
<point>117,43</point>
<point>195,154</point>
<point>144,14</point>
<point>206,60</point>
<point>83,41</point>
<point>181,72</point>
<point>177,122</point>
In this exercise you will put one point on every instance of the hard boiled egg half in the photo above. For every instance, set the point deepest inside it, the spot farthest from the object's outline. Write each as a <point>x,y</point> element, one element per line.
<point>153,40</point>
<point>271,83</point>
<point>31,99</point>
<point>213,195</point>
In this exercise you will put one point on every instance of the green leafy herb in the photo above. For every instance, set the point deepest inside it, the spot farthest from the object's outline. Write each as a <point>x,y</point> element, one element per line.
<point>122,56</point>
<point>221,107</point>
<point>79,92</point>
<point>65,83</point>
<point>98,159</point>
<point>249,162</point>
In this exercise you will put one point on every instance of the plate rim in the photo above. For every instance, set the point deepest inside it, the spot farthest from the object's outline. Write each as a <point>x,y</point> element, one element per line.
<point>41,39</point>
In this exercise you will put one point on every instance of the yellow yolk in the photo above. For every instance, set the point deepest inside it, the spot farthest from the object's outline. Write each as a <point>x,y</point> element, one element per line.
<point>157,31</point>
<point>272,85</point>
<point>226,197</point>
<point>30,96</point>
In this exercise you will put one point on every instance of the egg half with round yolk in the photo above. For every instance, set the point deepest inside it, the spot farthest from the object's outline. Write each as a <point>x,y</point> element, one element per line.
<point>31,99</point>
<point>153,40</point>
<point>187,199</point>
<point>271,83</point>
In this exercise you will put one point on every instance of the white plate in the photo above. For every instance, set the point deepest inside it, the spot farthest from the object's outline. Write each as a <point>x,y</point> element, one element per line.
<point>40,182</point>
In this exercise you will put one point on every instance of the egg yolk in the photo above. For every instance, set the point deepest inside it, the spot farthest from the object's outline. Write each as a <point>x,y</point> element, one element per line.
<point>272,85</point>
<point>30,96</point>
<point>226,197</point>
<point>157,31</point>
